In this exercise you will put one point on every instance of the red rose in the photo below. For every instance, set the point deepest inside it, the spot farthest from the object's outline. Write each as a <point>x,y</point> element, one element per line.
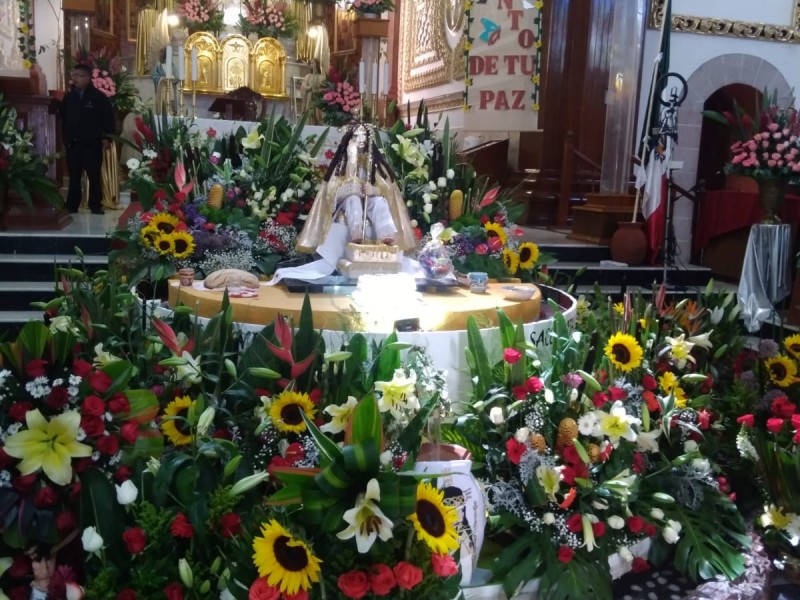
<point>649,382</point>
<point>534,385</point>
<point>127,594</point>
<point>638,464</point>
<point>261,590</point>
<point>5,460</point>
<point>315,395</point>
<point>300,595</point>
<point>796,438</point>
<point>135,539</point>
<point>119,404</point>
<point>520,392</point>
<point>93,406</point>
<point>511,355</point>
<point>443,565</point>
<point>93,426</point>
<point>706,386</point>
<point>616,393</point>
<point>66,521</point>
<point>20,567</point>
<point>575,523</point>
<point>18,410</point>
<point>81,368</point>
<point>174,591</point>
<point>650,530</point>
<point>746,420</point>
<point>181,527</point>
<point>129,432</point>
<point>704,419</point>
<point>35,368</point>
<point>381,579</point>
<point>211,132</point>
<point>44,497</point>
<point>100,382</point>
<point>515,450</point>
<point>570,455</point>
<point>796,421</point>
<point>407,575</point>
<point>57,398</point>
<point>353,584</point>
<point>108,445</point>
<point>599,399</point>
<point>639,565</point>
<point>24,483</point>
<point>565,554</point>
<point>774,425</point>
<point>599,529</point>
<point>635,524</point>
<point>123,474</point>
<point>230,525</point>
<point>81,464</point>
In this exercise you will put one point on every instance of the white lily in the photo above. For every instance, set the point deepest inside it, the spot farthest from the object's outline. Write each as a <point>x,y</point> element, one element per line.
<point>648,440</point>
<point>189,372</point>
<point>252,141</point>
<point>588,533</point>
<point>340,416</point>
<point>680,350</point>
<point>702,340</point>
<point>550,479</point>
<point>618,424</point>
<point>366,521</point>
<point>717,314</point>
<point>397,394</point>
<point>103,357</point>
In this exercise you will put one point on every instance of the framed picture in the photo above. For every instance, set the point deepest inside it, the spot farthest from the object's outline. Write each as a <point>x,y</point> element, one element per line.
<point>132,10</point>
<point>344,39</point>
<point>104,16</point>
<point>774,21</point>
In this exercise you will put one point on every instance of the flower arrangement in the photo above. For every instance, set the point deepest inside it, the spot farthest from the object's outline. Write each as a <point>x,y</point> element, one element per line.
<point>338,100</point>
<point>26,40</point>
<point>375,7</point>
<point>111,77</point>
<point>268,19</point>
<point>201,15</point>
<point>20,171</point>
<point>589,449</point>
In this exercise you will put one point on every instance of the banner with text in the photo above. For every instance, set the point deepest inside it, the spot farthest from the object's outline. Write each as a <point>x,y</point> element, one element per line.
<point>504,60</point>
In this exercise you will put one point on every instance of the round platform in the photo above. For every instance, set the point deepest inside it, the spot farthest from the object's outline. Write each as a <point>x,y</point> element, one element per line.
<point>446,311</point>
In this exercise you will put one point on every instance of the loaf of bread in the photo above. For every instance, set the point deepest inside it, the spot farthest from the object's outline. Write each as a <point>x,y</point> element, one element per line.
<point>227,278</point>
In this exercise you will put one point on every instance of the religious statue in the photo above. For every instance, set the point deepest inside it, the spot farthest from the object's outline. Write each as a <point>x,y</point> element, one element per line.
<point>312,83</point>
<point>359,191</point>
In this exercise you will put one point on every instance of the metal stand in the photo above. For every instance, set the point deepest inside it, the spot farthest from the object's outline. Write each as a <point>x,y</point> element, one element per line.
<point>180,98</point>
<point>194,99</point>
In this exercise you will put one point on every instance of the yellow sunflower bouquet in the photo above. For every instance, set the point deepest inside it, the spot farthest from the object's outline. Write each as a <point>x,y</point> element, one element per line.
<point>361,525</point>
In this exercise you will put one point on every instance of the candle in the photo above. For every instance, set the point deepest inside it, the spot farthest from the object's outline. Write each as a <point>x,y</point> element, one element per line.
<point>386,78</point>
<point>374,88</point>
<point>194,64</point>
<point>168,65</point>
<point>361,77</point>
<point>182,63</point>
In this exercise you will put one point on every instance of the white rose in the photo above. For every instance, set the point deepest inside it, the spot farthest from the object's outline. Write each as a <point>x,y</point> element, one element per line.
<point>496,415</point>
<point>625,554</point>
<point>616,522</point>
<point>689,446</point>
<point>442,182</point>
<point>450,173</point>
<point>548,518</point>
<point>428,208</point>
<point>414,222</point>
<point>426,198</point>
<point>670,535</point>
<point>432,186</point>
<point>91,540</point>
<point>126,493</point>
<point>522,435</point>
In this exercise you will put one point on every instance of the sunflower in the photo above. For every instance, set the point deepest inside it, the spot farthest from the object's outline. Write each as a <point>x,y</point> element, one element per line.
<point>177,429</point>
<point>148,235</point>
<point>669,383</point>
<point>434,521</point>
<point>184,244</point>
<point>495,230</point>
<point>164,244</point>
<point>792,345</point>
<point>528,255</point>
<point>286,410</point>
<point>624,352</point>
<point>782,370</point>
<point>511,260</point>
<point>285,561</point>
<point>164,222</point>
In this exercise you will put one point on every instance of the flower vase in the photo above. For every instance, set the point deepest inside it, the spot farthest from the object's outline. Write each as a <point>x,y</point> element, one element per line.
<point>771,193</point>
<point>452,467</point>
<point>629,243</point>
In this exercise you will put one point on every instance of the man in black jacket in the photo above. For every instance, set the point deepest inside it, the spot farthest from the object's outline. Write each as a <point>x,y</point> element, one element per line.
<point>87,121</point>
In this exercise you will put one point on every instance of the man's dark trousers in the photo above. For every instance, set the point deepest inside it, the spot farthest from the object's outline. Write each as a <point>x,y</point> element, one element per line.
<point>88,157</point>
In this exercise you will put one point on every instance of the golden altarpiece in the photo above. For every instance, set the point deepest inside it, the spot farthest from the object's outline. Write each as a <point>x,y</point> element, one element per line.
<point>233,62</point>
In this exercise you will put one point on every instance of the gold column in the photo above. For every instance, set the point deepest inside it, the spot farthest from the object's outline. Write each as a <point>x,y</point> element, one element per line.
<point>144,35</point>
<point>109,180</point>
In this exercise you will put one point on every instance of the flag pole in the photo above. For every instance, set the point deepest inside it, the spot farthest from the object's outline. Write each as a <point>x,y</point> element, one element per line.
<point>650,102</point>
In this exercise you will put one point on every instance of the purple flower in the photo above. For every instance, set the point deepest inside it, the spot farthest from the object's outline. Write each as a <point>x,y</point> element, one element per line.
<point>768,349</point>
<point>572,380</point>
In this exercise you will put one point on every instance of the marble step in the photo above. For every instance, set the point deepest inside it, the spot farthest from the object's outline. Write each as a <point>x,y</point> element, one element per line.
<point>21,267</point>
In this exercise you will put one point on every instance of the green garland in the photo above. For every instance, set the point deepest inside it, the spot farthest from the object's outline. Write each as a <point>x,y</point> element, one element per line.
<point>26,39</point>
<point>536,78</point>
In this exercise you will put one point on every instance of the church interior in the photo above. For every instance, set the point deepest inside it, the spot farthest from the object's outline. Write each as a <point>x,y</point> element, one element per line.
<point>483,299</point>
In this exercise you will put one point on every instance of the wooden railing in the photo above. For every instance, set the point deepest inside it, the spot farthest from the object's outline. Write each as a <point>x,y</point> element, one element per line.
<point>568,172</point>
